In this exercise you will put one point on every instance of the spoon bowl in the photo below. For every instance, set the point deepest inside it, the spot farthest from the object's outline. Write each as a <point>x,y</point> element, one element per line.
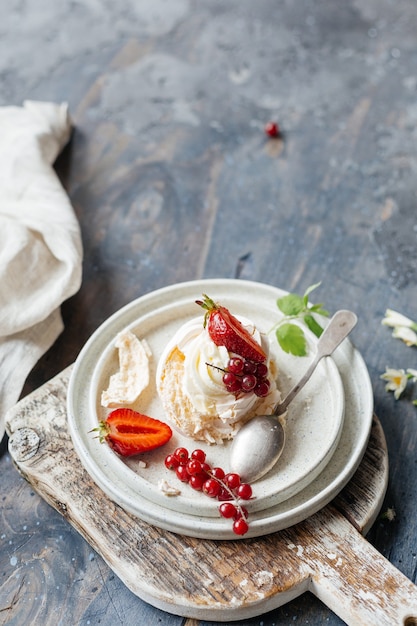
<point>260,442</point>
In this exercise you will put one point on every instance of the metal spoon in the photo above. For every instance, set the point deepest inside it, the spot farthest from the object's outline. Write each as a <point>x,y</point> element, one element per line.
<point>260,442</point>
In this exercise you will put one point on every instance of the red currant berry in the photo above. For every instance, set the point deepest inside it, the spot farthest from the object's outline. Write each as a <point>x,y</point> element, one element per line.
<point>224,495</point>
<point>217,472</point>
<point>199,455</point>
<point>248,382</point>
<point>272,129</point>
<point>237,386</point>
<point>242,511</point>
<point>196,481</point>
<point>235,365</point>
<point>261,370</point>
<point>262,388</point>
<point>193,467</point>
<point>171,462</point>
<point>182,455</point>
<point>240,526</point>
<point>232,480</point>
<point>244,491</point>
<point>229,378</point>
<point>182,473</point>
<point>231,382</point>
<point>227,510</point>
<point>249,367</point>
<point>211,487</point>
<point>205,468</point>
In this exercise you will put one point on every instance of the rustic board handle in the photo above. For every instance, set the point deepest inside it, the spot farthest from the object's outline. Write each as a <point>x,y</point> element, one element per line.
<point>352,578</point>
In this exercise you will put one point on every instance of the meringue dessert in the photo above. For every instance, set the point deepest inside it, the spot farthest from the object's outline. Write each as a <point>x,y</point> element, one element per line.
<point>191,383</point>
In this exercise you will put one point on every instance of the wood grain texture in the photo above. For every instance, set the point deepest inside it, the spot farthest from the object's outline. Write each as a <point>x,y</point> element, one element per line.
<point>224,581</point>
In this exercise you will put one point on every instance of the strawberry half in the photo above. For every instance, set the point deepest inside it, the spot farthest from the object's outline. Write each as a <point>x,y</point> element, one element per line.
<point>225,330</point>
<point>129,432</point>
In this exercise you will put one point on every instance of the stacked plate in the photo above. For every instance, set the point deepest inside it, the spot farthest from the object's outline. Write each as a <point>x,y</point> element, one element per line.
<point>328,423</point>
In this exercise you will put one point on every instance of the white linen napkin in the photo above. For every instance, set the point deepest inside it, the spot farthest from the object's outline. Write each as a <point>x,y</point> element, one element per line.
<point>40,241</point>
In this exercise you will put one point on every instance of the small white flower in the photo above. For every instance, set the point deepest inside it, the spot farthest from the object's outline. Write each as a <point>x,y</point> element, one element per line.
<point>412,374</point>
<point>406,334</point>
<point>396,381</point>
<point>389,514</point>
<point>393,319</point>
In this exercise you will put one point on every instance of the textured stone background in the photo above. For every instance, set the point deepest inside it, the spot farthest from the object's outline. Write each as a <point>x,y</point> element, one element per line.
<point>169,99</point>
<point>210,73</point>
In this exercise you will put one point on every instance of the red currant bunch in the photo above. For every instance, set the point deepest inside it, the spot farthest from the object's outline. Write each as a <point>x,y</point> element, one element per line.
<point>228,489</point>
<point>243,375</point>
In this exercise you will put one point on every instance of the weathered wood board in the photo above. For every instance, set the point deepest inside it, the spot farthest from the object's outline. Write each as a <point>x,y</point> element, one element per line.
<point>220,580</point>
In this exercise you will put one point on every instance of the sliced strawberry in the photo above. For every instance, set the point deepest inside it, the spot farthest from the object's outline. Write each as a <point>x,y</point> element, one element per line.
<point>225,330</point>
<point>129,432</point>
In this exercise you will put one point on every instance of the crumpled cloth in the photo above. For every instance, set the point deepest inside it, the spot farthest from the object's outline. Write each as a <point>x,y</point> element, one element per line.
<point>40,241</point>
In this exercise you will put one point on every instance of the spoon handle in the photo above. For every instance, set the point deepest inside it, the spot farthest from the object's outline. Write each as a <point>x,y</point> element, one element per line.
<point>337,329</point>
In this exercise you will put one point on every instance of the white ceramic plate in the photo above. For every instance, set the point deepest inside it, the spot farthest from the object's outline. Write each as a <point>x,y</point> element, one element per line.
<point>303,480</point>
<point>314,423</point>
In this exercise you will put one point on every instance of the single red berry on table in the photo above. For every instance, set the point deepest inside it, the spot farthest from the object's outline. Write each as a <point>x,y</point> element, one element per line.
<point>272,129</point>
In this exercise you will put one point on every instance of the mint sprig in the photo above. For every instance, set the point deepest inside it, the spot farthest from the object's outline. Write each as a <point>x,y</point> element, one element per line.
<point>290,336</point>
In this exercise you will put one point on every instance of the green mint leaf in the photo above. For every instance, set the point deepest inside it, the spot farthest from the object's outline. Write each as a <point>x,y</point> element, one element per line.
<point>291,339</point>
<point>307,293</point>
<point>311,288</point>
<point>313,325</point>
<point>291,304</point>
<point>290,336</point>
<point>318,308</point>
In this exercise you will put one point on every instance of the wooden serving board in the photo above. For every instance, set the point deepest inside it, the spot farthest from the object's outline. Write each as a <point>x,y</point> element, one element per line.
<point>219,580</point>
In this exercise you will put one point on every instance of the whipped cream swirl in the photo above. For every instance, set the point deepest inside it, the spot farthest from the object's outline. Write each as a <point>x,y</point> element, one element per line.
<point>203,365</point>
